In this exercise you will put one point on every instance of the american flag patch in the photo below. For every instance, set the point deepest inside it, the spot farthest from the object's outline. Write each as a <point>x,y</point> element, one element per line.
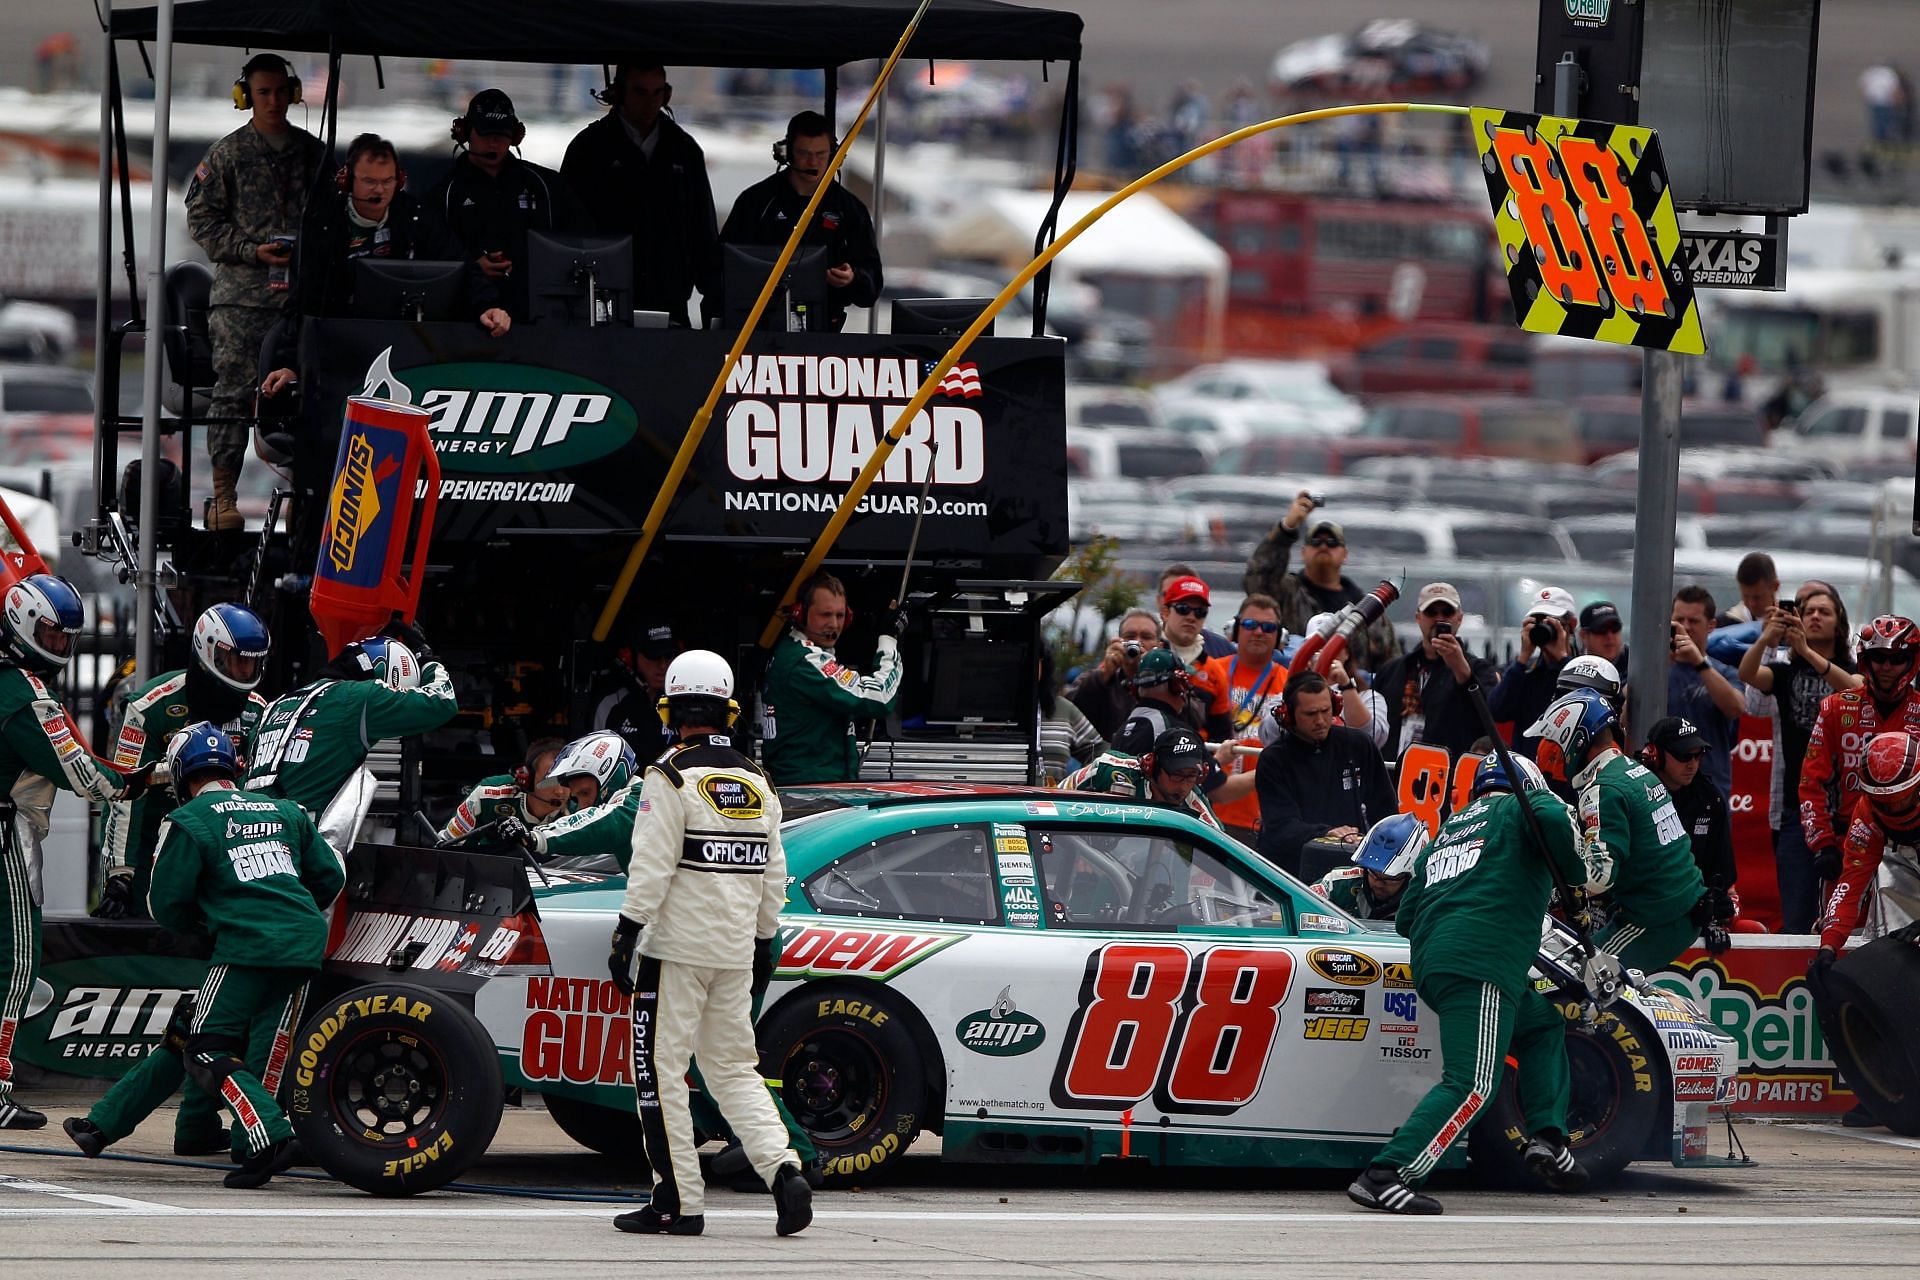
<point>646,806</point>
<point>962,381</point>
<point>1043,809</point>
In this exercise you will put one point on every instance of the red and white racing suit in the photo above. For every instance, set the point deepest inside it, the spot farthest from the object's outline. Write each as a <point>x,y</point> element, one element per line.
<point>1829,780</point>
<point>1883,859</point>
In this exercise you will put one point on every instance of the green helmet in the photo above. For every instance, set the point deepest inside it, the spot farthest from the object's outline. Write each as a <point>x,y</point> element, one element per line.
<point>1159,666</point>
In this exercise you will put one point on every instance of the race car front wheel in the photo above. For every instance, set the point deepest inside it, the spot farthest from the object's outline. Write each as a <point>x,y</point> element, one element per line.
<point>602,1129</point>
<point>394,1089</point>
<point>1614,1102</point>
<point>1870,1014</point>
<point>851,1073</point>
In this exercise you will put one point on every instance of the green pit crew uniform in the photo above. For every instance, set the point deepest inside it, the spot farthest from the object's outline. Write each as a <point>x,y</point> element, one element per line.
<point>152,716</point>
<point>1641,856</point>
<point>1119,774</point>
<point>37,736</point>
<point>607,829</point>
<point>808,708</point>
<point>311,741</point>
<point>253,873</point>
<point>491,799</point>
<point>1472,911</point>
<point>1346,888</point>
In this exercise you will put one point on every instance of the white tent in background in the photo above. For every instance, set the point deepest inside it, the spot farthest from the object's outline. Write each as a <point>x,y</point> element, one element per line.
<point>1145,259</point>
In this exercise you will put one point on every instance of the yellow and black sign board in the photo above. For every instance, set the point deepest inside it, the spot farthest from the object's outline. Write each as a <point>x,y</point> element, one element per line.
<point>1587,230</point>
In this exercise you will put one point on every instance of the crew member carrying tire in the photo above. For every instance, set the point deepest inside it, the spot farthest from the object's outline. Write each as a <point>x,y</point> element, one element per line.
<point>254,873</point>
<point>39,616</point>
<point>1472,912</point>
<point>1886,702</point>
<point>706,883</point>
<point>1636,848</point>
<point>1374,886</point>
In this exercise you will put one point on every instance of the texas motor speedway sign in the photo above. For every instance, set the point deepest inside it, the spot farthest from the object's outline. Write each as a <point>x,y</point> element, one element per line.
<point>565,428</point>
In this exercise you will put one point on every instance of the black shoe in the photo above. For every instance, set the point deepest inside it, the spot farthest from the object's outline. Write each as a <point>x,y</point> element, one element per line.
<point>1860,1118</point>
<point>1552,1165</point>
<point>86,1135</point>
<point>259,1170</point>
<point>1382,1189</point>
<point>218,1143</point>
<point>16,1115</point>
<point>792,1200</point>
<point>649,1221</point>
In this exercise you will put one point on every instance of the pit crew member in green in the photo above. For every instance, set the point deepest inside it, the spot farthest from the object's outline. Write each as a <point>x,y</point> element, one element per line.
<point>1637,850</point>
<point>527,795</point>
<point>253,873</point>
<point>1170,775</point>
<point>1473,912</point>
<point>601,768</point>
<point>39,617</point>
<point>312,741</point>
<point>230,645</point>
<point>810,700</point>
<point>706,882</point>
<point>1371,889</point>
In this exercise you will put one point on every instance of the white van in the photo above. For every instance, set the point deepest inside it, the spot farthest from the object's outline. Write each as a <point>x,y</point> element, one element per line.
<point>1848,426</point>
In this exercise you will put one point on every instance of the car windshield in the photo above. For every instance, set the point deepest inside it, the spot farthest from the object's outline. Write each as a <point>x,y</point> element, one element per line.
<point>29,395</point>
<point>1114,413</point>
<point>1140,880</point>
<point>1148,460</point>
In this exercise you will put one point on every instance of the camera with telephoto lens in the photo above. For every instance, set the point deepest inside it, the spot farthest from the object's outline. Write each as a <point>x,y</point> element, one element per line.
<point>1542,633</point>
<point>1133,648</point>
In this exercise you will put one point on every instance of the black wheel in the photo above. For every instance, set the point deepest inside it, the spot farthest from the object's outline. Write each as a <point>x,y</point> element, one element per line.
<point>603,1129</point>
<point>1870,1014</point>
<point>851,1074</point>
<point>1612,1108</point>
<point>394,1089</point>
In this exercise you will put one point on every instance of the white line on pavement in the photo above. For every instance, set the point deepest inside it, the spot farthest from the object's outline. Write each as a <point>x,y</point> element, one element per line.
<point>1886,1139</point>
<point>11,1183</point>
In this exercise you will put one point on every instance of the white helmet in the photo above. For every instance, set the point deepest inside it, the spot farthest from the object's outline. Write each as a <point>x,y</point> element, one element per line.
<point>229,632</point>
<point>41,615</point>
<point>604,757</point>
<point>699,674</point>
<point>385,659</point>
<point>1589,672</point>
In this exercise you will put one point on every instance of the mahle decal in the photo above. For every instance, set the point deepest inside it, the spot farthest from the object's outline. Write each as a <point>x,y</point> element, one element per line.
<point>493,416</point>
<point>1001,1031</point>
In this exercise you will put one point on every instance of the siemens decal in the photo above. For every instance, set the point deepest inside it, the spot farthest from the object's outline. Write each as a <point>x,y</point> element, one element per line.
<point>811,419</point>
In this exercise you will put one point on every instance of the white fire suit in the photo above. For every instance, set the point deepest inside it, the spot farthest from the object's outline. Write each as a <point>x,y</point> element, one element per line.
<point>706,879</point>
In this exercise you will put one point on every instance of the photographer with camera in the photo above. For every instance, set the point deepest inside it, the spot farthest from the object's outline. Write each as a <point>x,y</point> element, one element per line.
<point>1426,689</point>
<point>1319,586</point>
<point>1105,694</point>
<point>1546,643</point>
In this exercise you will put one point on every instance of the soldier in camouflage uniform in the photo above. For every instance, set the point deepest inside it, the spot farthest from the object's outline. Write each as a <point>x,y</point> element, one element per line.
<point>244,207</point>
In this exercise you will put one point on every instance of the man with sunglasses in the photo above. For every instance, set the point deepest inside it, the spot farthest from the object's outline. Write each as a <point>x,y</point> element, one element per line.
<point>1425,689</point>
<point>1886,702</point>
<point>1185,602</point>
<point>1320,585</point>
<point>1246,685</point>
<point>1603,634</point>
<point>1105,694</point>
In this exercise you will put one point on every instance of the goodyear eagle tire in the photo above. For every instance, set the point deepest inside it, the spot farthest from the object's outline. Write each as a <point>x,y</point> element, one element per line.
<point>851,1073</point>
<point>1870,1014</point>
<point>1617,1099</point>
<point>602,1129</point>
<point>394,1089</point>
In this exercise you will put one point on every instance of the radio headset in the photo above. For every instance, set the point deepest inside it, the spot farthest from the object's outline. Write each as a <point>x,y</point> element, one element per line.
<point>243,96</point>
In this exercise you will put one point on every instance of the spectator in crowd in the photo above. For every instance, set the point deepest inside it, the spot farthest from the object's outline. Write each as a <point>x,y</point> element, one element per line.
<point>638,172</point>
<point>1245,686</point>
<point>1066,735</point>
<point>490,198</point>
<point>243,208</point>
<point>1185,601</point>
<point>1674,751</point>
<point>1546,643</point>
<point>1319,586</point>
<point>626,696</point>
<point>1759,584</point>
<point>1320,780</point>
<point>1425,689</point>
<point>1603,635</point>
<point>1705,691</point>
<point>1816,664</point>
<point>1106,693</point>
<point>766,211</point>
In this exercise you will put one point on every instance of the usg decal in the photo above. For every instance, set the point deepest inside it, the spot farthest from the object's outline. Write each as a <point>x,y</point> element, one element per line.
<point>1348,968</point>
<point>1000,1031</point>
<point>495,416</point>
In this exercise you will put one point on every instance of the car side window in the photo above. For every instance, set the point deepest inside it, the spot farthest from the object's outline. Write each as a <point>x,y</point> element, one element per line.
<point>1130,880</point>
<point>942,874</point>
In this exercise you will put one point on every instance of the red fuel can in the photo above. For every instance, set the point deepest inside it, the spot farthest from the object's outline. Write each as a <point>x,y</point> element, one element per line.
<point>22,562</point>
<point>372,548</point>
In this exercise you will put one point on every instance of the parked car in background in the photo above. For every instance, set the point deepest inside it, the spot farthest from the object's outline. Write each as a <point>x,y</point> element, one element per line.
<point>1129,510</point>
<point>46,414</point>
<point>1103,406</point>
<point>1439,356</point>
<point>1272,455</point>
<point>1856,425</point>
<point>1447,533</point>
<point>1108,453</point>
<point>1385,55</point>
<point>1608,425</point>
<point>1609,537</point>
<point>1296,389</point>
<point>1472,426</point>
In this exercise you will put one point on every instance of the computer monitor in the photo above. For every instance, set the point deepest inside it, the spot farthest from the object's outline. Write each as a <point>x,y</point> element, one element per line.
<point>561,270</point>
<point>978,682</point>
<point>408,288</point>
<point>939,317</point>
<point>799,302</point>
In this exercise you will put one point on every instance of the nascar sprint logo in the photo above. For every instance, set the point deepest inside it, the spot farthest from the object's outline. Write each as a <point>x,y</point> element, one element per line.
<point>509,417</point>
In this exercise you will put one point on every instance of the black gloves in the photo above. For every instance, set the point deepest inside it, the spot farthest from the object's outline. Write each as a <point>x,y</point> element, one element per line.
<point>408,634</point>
<point>1710,913</point>
<point>1826,863</point>
<point>620,954</point>
<point>116,897</point>
<point>1909,934</point>
<point>137,783</point>
<point>899,622</point>
<point>511,830</point>
<point>1817,969</point>
<point>762,966</point>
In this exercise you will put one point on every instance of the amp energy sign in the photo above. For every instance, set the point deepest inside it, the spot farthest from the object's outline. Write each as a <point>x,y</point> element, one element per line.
<point>1587,231</point>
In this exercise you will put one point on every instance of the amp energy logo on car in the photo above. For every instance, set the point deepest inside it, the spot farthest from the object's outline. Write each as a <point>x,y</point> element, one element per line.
<point>1000,1031</point>
<point>500,417</point>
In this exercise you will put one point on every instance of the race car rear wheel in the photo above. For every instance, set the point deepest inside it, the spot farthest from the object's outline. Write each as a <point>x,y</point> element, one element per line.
<point>394,1089</point>
<point>1615,1100</point>
<point>603,1129</point>
<point>852,1074</point>
<point>1869,1014</point>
